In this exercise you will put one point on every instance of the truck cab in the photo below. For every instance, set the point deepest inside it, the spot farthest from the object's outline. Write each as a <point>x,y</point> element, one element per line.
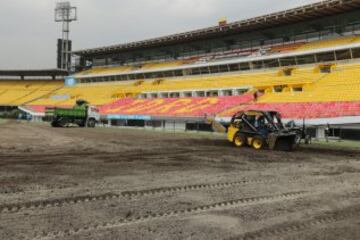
<point>93,116</point>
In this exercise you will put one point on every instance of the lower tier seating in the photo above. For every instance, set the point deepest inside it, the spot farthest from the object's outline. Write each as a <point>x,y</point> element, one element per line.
<point>174,107</point>
<point>221,107</point>
<point>302,110</point>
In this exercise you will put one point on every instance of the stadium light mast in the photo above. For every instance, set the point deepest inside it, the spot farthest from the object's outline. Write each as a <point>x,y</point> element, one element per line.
<point>66,14</point>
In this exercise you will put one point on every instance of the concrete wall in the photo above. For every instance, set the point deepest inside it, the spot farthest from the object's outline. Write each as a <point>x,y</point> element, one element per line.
<point>173,125</point>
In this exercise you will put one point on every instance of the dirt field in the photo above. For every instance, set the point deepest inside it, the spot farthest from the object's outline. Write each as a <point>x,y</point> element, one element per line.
<point>122,184</point>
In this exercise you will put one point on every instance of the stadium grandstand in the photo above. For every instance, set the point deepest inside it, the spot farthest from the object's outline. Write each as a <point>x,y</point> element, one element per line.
<point>19,87</point>
<point>303,62</point>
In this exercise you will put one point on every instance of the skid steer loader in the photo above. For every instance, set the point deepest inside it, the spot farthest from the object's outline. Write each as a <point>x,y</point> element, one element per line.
<point>260,129</point>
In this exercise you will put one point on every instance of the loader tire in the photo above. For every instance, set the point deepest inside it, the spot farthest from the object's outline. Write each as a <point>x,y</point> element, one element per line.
<point>258,142</point>
<point>239,140</point>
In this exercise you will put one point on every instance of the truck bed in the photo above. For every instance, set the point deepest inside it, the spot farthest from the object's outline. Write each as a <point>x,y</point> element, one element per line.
<point>66,112</point>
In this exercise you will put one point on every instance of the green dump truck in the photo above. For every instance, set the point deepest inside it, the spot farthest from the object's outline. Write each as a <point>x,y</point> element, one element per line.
<point>82,114</point>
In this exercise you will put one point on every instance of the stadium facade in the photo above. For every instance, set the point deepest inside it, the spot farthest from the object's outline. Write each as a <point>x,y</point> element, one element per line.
<point>303,62</point>
<point>307,23</point>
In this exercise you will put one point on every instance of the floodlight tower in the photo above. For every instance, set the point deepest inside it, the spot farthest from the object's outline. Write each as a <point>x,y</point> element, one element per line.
<point>65,13</point>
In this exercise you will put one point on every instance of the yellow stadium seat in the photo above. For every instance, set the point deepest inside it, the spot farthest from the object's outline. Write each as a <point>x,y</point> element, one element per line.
<point>101,93</point>
<point>329,43</point>
<point>16,92</point>
<point>342,84</point>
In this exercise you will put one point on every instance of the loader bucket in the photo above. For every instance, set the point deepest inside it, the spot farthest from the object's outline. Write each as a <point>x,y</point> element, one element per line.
<point>218,127</point>
<point>282,142</point>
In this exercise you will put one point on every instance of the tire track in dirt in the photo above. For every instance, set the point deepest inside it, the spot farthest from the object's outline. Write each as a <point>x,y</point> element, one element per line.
<point>13,208</point>
<point>60,202</point>
<point>165,190</point>
<point>14,189</point>
<point>287,229</point>
<point>61,157</point>
<point>175,213</point>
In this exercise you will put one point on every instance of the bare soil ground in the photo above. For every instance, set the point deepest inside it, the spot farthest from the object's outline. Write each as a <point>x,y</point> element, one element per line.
<point>124,184</point>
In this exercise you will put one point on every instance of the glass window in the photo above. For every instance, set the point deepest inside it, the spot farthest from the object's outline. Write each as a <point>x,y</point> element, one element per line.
<point>356,53</point>
<point>290,61</point>
<point>257,64</point>
<point>234,67</point>
<point>245,66</point>
<point>307,59</point>
<point>223,68</point>
<point>214,69</point>
<point>178,73</point>
<point>271,63</point>
<point>343,54</point>
<point>139,76</point>
<point>204,70</point>
<point>168,74</point>
<point>325,57</point>
<point>196,71</point>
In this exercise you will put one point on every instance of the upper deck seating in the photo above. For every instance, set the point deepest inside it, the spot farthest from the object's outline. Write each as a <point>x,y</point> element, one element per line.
<point>16,92</point>
<point>329,43</point>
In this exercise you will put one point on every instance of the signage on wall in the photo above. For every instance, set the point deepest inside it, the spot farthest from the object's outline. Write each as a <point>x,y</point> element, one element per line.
<point>70,81</point>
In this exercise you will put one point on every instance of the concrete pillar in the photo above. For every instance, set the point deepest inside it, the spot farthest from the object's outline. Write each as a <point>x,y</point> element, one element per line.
<point>320,132</point>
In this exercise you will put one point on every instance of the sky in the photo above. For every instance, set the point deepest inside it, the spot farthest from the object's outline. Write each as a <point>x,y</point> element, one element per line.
<point>29,34</point>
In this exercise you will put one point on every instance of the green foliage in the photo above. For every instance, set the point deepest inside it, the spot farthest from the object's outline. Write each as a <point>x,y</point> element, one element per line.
<point>11,114</point>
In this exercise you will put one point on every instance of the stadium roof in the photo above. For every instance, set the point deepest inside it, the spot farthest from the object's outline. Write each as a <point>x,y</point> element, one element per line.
<point>307,12</point>
<point>34,73</point>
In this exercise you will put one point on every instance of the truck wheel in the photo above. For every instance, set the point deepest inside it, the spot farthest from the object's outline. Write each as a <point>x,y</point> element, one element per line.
<point>91,123</point>
<point>258,142</point>
<point>239,140</point>
<point>54,124</point>
<point>63,122</point>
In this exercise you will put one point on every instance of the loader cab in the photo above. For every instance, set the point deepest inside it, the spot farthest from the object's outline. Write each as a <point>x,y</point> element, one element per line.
<point>257,120</point>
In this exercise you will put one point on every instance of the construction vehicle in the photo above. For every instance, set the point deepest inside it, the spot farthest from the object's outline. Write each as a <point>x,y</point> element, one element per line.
<point>301,132</point>
<point>82,114</point>
<point>259,129</point>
